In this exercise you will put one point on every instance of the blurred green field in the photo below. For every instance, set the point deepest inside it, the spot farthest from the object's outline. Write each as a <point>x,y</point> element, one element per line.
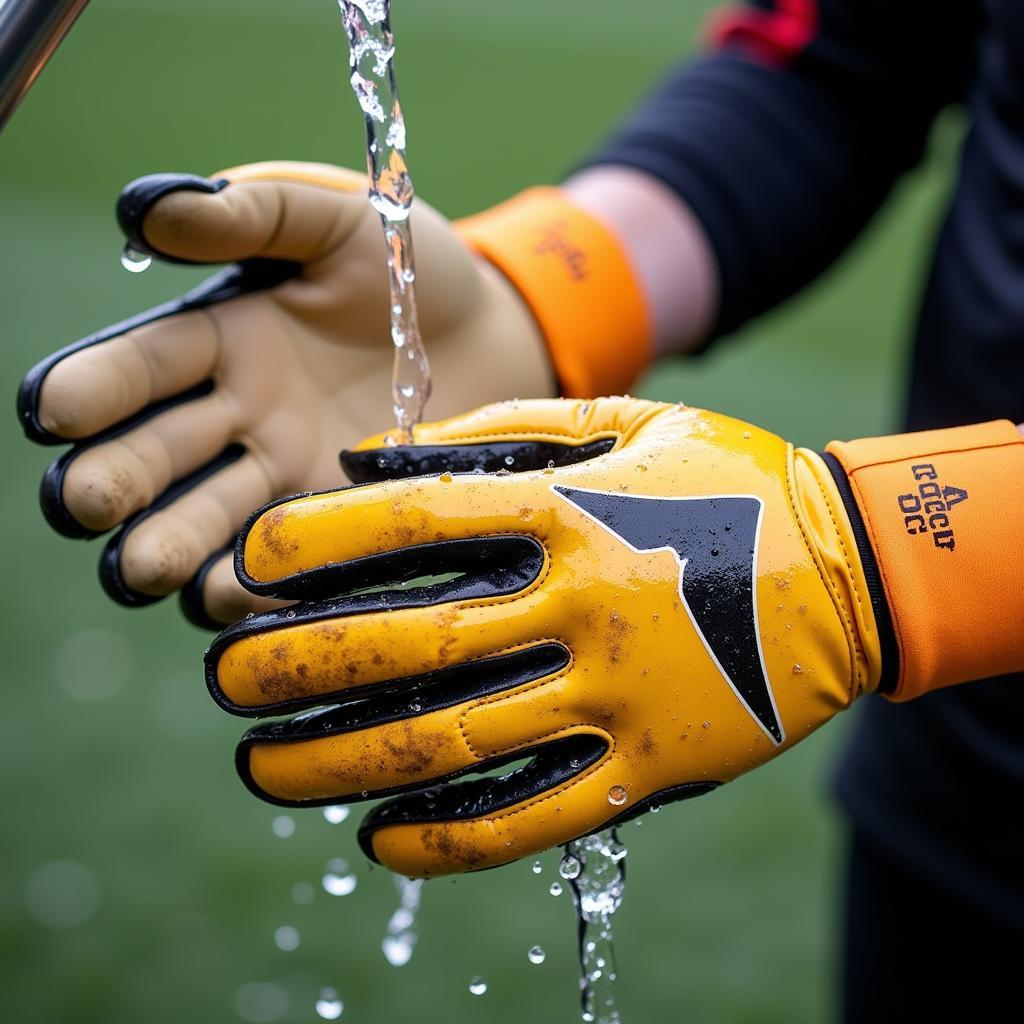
<point>114,758</point>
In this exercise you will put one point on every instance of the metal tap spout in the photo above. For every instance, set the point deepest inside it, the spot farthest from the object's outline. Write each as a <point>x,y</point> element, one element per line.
<point>30,31</point>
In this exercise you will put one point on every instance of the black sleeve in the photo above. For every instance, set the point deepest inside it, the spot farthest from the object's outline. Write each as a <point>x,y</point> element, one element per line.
<point>786,138</point>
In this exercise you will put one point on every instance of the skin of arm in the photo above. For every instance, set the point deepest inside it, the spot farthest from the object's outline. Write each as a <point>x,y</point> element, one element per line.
<point>666,244</point>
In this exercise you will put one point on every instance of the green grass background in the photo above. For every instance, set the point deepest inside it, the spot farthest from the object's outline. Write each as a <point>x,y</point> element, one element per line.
<point>731,911</point>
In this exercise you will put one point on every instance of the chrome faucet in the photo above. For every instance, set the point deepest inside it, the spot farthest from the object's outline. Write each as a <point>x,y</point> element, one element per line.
<point>30,31</point>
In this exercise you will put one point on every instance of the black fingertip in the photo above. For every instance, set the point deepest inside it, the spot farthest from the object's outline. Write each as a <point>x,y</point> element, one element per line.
<point>242,766</point>
<point>193,607</point>
<point>51,501</point>
<point>139,196</point>
<point>514,456</point>
<point>111,579</point>
<point>364,837</point>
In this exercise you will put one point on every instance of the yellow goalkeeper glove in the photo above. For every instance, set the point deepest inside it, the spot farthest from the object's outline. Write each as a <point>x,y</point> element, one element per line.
<point>652,600</point>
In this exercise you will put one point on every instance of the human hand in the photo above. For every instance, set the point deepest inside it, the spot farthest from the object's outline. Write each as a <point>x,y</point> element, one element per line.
<point>656,600</point>
<point>186,418</point>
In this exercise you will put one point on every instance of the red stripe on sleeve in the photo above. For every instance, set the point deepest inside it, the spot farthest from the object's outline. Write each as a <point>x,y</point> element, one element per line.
<point>774,37</point>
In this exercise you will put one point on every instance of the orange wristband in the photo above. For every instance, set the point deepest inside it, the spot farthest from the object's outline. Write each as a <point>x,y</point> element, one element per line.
<point>577,281</point>
<point>942,513</point>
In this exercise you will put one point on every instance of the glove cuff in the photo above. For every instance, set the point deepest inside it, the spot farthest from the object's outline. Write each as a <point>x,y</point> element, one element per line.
<point>939,511</point>
<point>573,274</point>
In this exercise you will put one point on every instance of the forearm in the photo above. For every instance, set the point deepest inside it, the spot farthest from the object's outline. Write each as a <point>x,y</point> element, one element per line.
<point>776,159</point>
<point>666,245</point>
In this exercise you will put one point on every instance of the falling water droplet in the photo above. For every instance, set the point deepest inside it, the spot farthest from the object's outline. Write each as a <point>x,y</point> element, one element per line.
<point>336,815</point>
<point>133,261</point>
<point>556,889</point>
<point>329,1006</point>
<point>478,986</point>
<point>397,950</point>
<point>617,795</point>
<point>283,826</point>
<point>400,940</point>
<point>338,880</point>
<point>509,460</point>
<point>286,938</point>
<point>537,867</point>
<point>569,867</point>
<point>536,955</point>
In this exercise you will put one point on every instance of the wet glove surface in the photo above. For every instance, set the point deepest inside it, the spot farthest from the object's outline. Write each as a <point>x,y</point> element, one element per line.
<point>184,419</point>
<point>651,600</point>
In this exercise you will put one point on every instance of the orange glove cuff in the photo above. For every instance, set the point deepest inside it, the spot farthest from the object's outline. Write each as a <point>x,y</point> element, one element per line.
<point>941,510</point>
<point>577,281</point>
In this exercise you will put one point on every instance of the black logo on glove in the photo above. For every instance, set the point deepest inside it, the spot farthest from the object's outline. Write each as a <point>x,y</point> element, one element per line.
<point>927,509</point>
<point>715,541</point>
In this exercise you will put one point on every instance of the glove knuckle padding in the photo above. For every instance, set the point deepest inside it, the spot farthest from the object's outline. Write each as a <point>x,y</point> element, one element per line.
<point>694,577</point>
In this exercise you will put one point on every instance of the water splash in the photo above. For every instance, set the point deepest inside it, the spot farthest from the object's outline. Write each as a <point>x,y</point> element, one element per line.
<point>595,867</point>
<point>372,76</point>
<point>400,938</point>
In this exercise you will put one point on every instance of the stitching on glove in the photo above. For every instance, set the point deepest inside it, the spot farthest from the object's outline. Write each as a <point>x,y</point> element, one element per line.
<point>566,786</point>
<point>526,688</point>
<point>896,460</point>
<point>524,435</point>
<point>893,611</point>
<point>857,675</point>
<point>837,604</point>
<point>506,598</point>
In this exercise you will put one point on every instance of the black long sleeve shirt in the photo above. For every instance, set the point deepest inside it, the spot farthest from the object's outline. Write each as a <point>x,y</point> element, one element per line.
<point>784,141</point>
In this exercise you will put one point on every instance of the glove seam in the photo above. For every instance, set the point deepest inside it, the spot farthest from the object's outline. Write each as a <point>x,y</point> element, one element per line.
<point>932,453</point>
<point>837,605</point>
<point>893,612</point>
<point>857,676</point>
<point>553,794</point>
<point>534,435</point>
<point>482,702</point>
<point>527,590</point>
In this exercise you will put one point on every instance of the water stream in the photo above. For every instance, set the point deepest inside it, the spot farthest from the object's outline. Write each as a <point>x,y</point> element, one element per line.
<point>371,62</point>
<point>595,867</point>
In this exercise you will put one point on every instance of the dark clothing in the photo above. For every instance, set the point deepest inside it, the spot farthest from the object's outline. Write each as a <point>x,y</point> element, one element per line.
<point>913,951</point>
<point>785,142</point>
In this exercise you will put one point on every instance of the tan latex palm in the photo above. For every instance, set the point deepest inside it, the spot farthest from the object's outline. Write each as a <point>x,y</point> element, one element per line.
<point>298,371</point>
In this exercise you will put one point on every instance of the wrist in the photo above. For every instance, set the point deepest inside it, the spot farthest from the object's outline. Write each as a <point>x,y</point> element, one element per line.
<point>939,510</point>
<point>573,275</point>
<point>666,245</point>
